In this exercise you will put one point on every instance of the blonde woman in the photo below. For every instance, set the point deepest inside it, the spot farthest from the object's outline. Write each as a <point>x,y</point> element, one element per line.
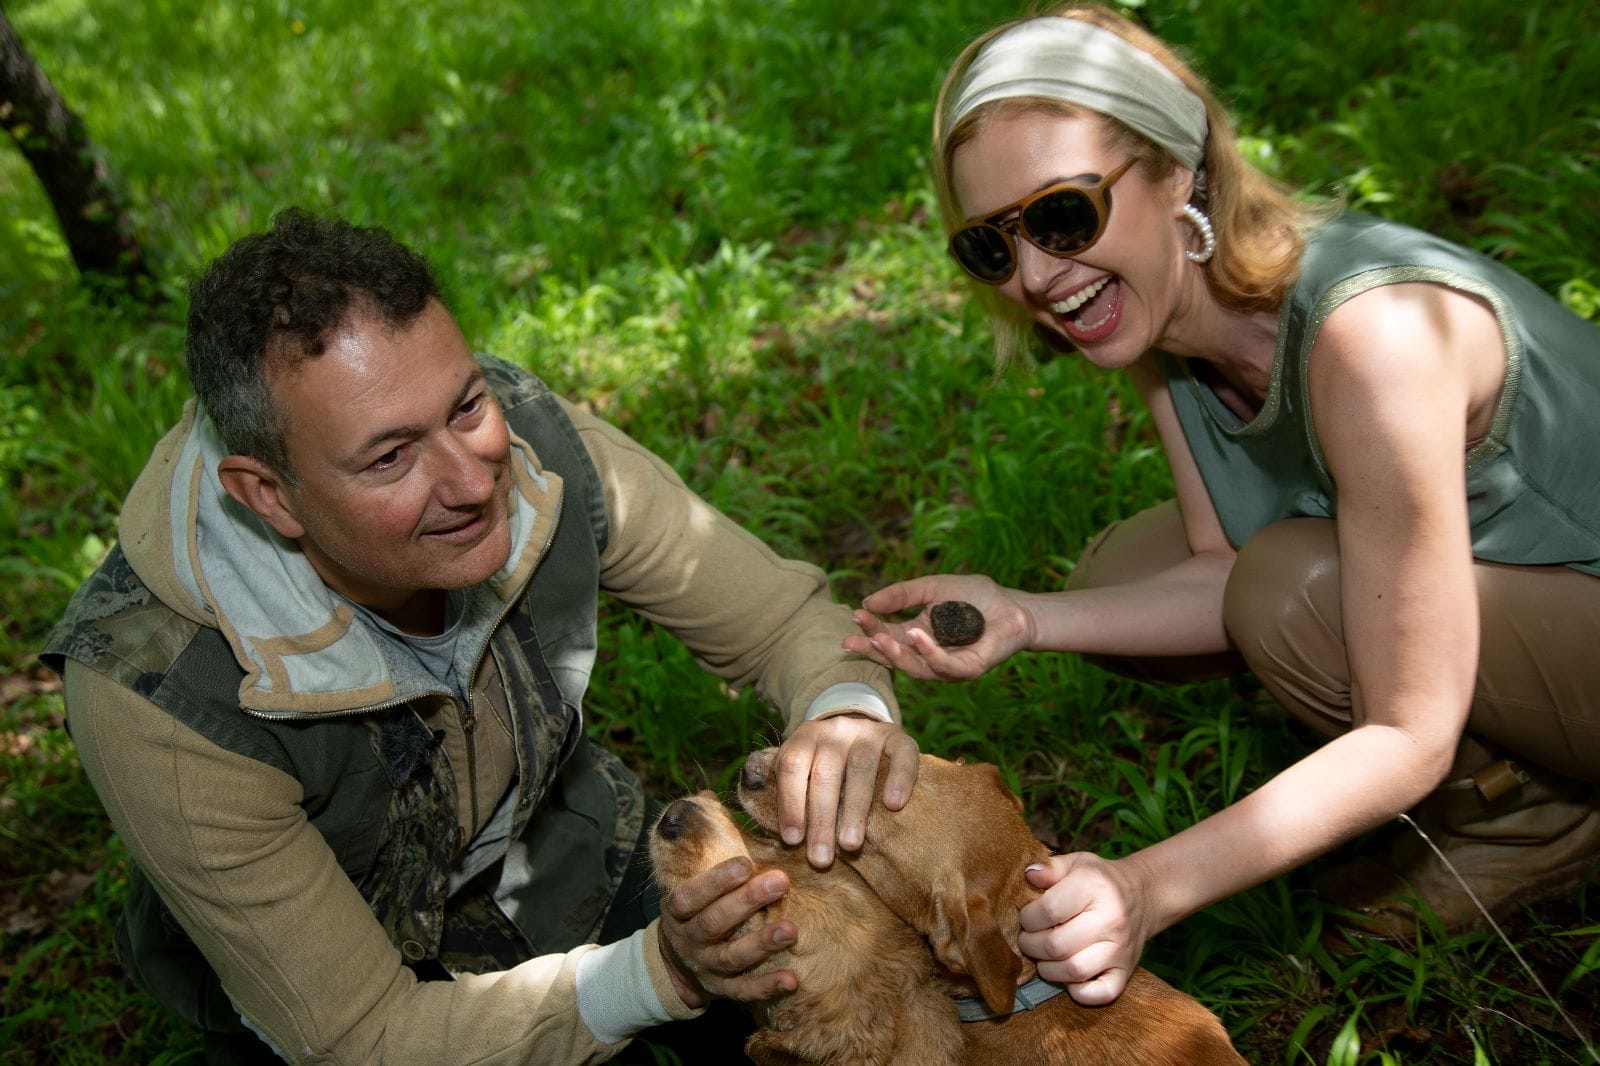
<point>1382,447</point>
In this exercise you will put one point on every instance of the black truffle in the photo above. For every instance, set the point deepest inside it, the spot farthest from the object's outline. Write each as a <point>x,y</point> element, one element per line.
<point>956,623</point>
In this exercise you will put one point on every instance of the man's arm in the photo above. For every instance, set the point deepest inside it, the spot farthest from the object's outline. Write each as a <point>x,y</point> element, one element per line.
<point>227,845</point>
<point>748,615</point>
<point>753,617</point>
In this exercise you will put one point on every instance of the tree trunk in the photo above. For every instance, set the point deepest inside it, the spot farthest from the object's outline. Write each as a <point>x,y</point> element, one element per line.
<point>56,144</point>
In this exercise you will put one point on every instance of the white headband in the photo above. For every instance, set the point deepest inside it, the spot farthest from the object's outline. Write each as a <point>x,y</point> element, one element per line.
<point>1068,59</point>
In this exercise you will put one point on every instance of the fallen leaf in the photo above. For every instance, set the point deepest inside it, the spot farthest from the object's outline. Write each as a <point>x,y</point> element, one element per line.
<point>25,922</point>
<point>71,887</point>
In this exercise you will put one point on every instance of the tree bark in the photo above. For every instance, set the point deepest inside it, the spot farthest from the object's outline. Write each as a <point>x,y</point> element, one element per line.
<point>56,144</point>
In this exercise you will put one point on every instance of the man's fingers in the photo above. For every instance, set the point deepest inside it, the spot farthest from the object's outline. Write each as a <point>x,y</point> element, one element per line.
<point>752,949</point>
<point>822,803</point>
<point>1100,991</point>
<point>1091,962</point>
<point>1045,874</point>
<point>860,782</point>
<point>756,988</point>
<point>775,936</point>
<point>946,664</point>
<point>1066,898</point>
<point>871,625</point>
<point>903,765</point>
<point>794,775</point>
<point>861,645</point>
<point>1043,946</point>
<point>692,896</point>
<point>731,911</point>
<point>1096,992</point>
<point>891,598</point>
<point>722,916</point>
<point>1061,940</point>
<point>901,657</point>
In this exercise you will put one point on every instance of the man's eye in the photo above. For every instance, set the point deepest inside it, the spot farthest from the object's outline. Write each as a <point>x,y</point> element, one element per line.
<point>386,460</point>
<point>470,406</point>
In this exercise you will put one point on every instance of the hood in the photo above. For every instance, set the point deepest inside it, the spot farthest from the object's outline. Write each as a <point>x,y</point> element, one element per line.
<point>301,646</point>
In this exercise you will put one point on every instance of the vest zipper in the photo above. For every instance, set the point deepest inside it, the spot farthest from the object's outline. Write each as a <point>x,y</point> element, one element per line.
<point>469,721</point>
<point>469,717</point>
<point>483,649</point>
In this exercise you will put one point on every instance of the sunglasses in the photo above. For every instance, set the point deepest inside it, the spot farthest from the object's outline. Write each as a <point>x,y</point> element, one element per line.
<point>1062,220</point>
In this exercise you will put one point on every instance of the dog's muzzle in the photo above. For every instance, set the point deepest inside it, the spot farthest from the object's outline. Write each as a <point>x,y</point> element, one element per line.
<point>754,775</point>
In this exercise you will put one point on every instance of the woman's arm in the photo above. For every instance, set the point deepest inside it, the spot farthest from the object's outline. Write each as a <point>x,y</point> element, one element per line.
<point>1177,611</point>
<point>1393,377</point>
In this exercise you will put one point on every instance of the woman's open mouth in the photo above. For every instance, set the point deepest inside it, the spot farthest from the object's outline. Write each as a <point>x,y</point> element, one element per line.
<point>1092,313</point>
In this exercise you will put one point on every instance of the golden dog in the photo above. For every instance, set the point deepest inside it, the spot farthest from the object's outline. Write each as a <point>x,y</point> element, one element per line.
<point>866,992</point>
<point>918,929</point>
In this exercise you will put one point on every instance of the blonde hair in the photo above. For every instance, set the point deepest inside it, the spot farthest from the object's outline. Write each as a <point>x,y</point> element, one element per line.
<point>1260,227</point>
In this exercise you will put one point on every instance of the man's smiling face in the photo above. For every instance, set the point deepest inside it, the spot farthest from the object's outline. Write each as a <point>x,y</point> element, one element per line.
<point>401,455</point>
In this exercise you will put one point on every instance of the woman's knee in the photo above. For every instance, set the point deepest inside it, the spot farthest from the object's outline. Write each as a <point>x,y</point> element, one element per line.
<point>1286,570</point>
<point>1131,548</point>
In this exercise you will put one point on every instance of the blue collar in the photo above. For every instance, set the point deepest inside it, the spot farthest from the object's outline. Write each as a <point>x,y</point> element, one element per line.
<point>1029,996</point>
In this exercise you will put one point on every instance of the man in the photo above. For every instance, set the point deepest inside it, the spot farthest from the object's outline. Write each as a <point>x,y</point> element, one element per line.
<point>329,688</point>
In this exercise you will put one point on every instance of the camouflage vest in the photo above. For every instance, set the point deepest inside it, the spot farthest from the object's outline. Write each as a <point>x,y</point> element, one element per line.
<point>376,783</point>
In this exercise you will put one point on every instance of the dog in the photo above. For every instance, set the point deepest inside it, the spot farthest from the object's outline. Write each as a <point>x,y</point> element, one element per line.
<point>933,893</point>
<point>866,988</point>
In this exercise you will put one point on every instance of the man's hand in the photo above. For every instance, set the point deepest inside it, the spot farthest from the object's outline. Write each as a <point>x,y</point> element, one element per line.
<point>827,772</point>
<point>698,920</point>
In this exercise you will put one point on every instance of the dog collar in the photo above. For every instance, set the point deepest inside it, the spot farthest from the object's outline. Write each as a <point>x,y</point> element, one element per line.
<point>1029,996</point>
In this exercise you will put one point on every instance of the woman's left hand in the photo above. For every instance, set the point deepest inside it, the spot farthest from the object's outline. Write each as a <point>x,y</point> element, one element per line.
<point>1088,929</point>
<point>909,646</point>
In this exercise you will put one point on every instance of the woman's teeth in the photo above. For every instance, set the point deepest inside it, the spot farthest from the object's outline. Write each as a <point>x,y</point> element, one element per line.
<point>1081,297</point>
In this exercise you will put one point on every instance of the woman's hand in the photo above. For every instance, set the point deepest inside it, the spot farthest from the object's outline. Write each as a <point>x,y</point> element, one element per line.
<point>1088,929</point>
<point>699,920</point>
<point>909,646</point>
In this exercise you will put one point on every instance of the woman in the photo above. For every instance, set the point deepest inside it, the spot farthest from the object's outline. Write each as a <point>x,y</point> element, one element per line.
<point>1386,509</point>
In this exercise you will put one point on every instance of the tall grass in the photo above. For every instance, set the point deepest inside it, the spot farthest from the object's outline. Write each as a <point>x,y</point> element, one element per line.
<point>710,219</point>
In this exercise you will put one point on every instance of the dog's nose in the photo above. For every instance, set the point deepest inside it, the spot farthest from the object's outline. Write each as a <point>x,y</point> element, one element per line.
<point>674,820</point>
<point>754,777</point>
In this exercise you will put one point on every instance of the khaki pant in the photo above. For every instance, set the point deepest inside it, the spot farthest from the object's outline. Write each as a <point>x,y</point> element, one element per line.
<point>1538,689</point>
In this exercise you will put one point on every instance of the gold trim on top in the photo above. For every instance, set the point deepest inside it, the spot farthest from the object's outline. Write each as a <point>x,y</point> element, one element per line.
<point>1271,404</point>
<point>1450,279</point>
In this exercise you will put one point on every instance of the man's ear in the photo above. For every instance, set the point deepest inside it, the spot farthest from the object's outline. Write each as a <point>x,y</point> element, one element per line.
<point>258,487</point>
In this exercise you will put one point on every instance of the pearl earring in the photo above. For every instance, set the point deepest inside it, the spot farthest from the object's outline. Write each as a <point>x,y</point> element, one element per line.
<point>1208,236</point>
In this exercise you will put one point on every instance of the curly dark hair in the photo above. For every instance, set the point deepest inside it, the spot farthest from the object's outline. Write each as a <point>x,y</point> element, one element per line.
<point>273,298</point>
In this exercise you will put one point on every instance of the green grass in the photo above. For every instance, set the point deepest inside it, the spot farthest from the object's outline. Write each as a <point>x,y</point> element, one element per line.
<point>710,218</point>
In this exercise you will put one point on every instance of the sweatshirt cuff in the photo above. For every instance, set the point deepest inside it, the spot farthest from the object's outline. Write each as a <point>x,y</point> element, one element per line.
<point>849,697</point>
<point>624,987</point>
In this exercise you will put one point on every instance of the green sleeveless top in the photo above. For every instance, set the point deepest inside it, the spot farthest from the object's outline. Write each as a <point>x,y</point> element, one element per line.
<point>1533,491</point>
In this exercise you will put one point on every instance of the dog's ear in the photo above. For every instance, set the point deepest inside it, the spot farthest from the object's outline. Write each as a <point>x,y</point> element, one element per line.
<point>967,939</point>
